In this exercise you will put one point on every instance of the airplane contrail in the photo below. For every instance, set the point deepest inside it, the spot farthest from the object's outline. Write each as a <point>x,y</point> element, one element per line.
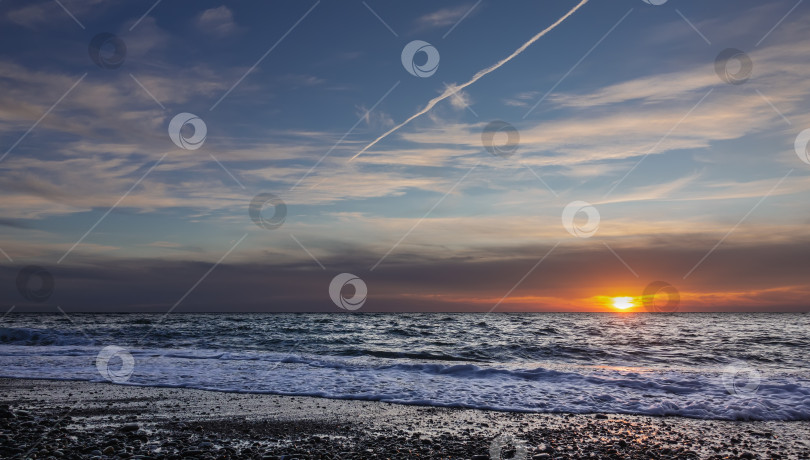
<point>450,90</point>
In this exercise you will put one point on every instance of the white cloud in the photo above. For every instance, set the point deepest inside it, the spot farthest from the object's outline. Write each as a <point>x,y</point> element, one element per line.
<point>522,99</point>
<point>374,118</point>
<point>35,15</point>
<point>443,17</point>
<point>217,21</point>
<point>459,99</point>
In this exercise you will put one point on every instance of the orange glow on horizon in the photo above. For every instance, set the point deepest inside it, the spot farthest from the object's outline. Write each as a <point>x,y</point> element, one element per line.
<point>622,303</point>
<point>574,301</point>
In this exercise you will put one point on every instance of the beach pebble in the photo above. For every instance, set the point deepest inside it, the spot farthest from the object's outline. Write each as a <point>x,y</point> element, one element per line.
<point>393,433</point>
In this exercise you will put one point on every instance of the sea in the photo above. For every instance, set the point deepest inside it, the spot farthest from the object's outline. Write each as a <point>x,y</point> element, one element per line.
<point>723,366</point>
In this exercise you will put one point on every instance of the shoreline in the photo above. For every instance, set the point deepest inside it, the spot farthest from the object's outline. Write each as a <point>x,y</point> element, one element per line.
<point>73,419</point>
<point>394,403</point>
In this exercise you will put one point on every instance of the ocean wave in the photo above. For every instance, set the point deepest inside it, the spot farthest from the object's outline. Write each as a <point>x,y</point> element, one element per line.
<point>642,364</point>
<point>376,353</point>
<point>37,337</point>
<point>534,389</point>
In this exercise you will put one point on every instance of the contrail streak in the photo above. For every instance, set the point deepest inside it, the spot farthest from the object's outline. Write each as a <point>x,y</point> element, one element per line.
<point>452,89</point>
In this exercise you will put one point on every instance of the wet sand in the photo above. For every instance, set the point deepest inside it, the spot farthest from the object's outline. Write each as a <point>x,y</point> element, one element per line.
<point>44,419</point>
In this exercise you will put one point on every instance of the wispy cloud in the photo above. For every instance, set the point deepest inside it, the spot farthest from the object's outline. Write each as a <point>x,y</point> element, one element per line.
<point>374,118</point>
<point>627,119</point>
<point>443,17</point>
<point>217,21</point>
<point>44,13</point>
<point>522,99</point>
<point>450,91</point>
<point>460,100</point>
<point>693,188</point>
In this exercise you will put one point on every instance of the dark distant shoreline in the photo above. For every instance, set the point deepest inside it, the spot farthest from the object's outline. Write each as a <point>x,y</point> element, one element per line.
<point>40,418</point>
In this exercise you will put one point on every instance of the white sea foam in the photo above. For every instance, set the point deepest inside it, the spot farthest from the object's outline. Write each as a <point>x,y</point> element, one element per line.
<point>538,389</point>
<point>755,367</point>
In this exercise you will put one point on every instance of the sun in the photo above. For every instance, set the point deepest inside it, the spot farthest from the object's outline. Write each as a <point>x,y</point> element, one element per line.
<point>622,303</point>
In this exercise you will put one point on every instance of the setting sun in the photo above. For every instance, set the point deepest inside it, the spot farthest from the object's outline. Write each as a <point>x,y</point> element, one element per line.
<point>622,303</point>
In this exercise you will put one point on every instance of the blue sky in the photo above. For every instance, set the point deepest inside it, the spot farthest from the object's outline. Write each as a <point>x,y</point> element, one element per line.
<point>632,119</point>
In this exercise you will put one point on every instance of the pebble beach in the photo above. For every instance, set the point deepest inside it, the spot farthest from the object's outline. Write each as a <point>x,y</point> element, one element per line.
<point>75,420</point>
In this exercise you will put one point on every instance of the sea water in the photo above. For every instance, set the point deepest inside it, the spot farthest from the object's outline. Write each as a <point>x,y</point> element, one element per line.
<point>713,366</point>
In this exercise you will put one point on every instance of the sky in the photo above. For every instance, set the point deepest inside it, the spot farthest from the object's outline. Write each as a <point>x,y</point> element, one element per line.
<point>449,156</point>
